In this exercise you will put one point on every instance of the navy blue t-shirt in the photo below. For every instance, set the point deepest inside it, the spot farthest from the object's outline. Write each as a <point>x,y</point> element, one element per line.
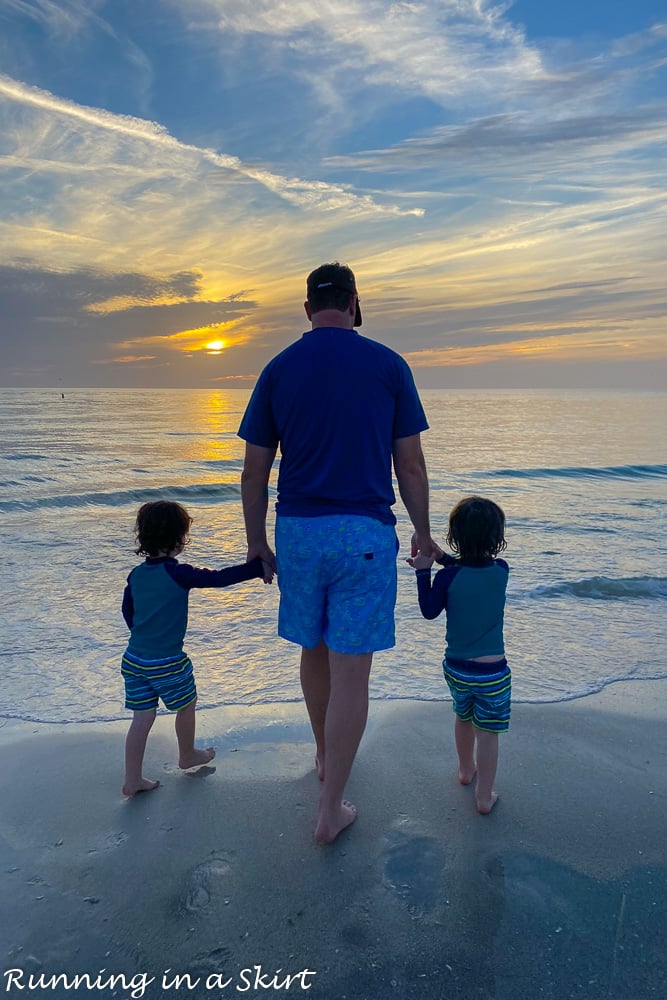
<point>335,402</point>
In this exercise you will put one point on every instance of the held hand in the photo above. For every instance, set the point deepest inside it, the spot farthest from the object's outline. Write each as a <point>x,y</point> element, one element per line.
<point>423,544</point>
<point>268,558</point>
<point>420,562</point>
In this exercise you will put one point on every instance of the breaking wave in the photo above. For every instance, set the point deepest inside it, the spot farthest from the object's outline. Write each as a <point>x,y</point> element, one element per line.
<point>603,588</point>
<point>119,498</point>
<point>583,472</point>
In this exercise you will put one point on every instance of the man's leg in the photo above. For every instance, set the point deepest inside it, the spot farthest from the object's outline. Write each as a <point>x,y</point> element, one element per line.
<point>316,687</point>
<point>344,726</point>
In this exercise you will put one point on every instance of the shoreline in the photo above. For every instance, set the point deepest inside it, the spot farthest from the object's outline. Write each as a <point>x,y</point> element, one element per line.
<point>10,724</point>
<point>560,892</point>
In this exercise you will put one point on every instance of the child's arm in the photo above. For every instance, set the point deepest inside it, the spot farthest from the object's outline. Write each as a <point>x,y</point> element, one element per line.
<point>190,577</point>
<point>433,598</point>
<point>128,607</point>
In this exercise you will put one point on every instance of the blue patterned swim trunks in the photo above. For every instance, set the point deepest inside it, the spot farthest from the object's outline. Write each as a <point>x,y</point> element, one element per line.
<point>482,692</point>
<point>337,579</point>
<point>146,681</point>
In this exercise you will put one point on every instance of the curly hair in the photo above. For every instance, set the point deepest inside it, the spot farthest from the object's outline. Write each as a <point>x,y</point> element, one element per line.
<point>476,529</point>
<point>161,526</point>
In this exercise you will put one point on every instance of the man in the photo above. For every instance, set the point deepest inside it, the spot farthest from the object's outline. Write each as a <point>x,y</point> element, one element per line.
<point>341,407</point>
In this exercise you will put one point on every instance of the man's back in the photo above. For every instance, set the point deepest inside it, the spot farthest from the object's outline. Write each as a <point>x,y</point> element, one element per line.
<point>335,402</point>
<point>342,408</point>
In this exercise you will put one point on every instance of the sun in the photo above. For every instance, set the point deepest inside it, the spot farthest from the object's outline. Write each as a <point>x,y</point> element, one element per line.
<point>215,346</point>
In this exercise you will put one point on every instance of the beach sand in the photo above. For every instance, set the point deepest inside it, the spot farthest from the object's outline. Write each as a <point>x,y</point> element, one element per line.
<point>561,892</point>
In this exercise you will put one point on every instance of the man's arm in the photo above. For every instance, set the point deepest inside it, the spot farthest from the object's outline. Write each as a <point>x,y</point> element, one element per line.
<point>255,498</point>
<point>410,468</point>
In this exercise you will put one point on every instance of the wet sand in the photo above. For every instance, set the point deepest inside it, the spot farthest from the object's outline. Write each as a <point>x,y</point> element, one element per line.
<point>561,892</point>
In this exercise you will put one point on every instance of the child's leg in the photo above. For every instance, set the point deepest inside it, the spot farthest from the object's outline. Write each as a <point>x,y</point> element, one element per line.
<point>135,746</point>
<point>185,734</point>
<point>487,764</point>
<point>464,737</point>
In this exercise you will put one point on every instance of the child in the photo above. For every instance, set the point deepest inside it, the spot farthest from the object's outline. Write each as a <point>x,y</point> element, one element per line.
<point>472,590</point>
<point>155,607</point>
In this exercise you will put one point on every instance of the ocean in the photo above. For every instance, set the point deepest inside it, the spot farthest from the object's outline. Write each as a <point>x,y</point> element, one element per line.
<point>582,478</point>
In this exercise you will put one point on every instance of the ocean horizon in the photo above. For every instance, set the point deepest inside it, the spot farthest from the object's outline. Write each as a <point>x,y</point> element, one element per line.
<point>582,477</point>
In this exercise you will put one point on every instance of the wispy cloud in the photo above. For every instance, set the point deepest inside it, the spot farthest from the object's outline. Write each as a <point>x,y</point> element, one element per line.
<point>441,48</point>
<point>498,198</point>
<point>63,19</point>
<point>305,194</point>
<point>502,140</point>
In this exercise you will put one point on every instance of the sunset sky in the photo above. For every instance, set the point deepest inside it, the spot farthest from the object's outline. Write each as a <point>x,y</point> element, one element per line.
<point>495,174</point>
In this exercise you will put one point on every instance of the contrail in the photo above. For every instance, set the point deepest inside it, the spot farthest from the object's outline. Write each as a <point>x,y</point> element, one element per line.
<point>306,194</point>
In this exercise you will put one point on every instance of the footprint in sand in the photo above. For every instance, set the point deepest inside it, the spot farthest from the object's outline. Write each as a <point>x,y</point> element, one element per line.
<point>115,840</point>
<point>110,842</point>
<point>413,865</point>
<point>210,962</point>
<point>203,771</point>
<point>197,894</point>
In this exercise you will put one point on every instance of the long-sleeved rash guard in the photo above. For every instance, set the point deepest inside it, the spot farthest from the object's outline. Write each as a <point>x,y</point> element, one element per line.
<point>474,598</point>
<point>155,601</point>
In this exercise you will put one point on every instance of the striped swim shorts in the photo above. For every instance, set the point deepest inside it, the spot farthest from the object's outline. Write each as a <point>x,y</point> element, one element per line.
<point>481,692</point>
<point>146,681</point>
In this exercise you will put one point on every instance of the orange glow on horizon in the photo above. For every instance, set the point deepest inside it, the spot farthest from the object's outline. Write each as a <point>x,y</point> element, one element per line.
<point>216,346</point>
<point>557,347</point>
<point>204,338</point>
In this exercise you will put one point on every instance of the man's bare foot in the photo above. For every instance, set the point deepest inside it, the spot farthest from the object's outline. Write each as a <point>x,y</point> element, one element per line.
<point>196,758</point>
<point>319,767</point>
<point>328,829</point>
<point>466,775</point>
<point>484,806</point>
<point>145,786</point>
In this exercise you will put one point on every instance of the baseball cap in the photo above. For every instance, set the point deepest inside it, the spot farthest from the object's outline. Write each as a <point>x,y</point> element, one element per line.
<point>334,276</point>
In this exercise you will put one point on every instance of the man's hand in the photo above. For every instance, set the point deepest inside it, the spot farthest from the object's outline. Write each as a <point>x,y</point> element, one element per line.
<point>422,544</point>
<point>268,561</point>
<point>421,562</point>
<point>255,497</point>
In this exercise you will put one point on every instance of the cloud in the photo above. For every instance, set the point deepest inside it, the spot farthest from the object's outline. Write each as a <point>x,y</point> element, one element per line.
<point>63,19</point>
<point>441,48</point>
<point>35,302</point>
<point>487,192</point>
<point>304,194</point>
<point>577,344</point>
<point>502,140</point>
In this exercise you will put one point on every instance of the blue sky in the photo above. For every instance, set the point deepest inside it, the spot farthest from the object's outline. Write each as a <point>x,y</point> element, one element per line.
<point>495,174</point>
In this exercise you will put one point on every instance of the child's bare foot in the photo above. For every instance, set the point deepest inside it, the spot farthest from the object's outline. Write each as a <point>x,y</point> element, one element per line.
<point>144,786</point>
<point>466,775</point>
<point>196,758</point>
<point>327,829</point>
<point>484,806</point>
<point>319,767</point>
